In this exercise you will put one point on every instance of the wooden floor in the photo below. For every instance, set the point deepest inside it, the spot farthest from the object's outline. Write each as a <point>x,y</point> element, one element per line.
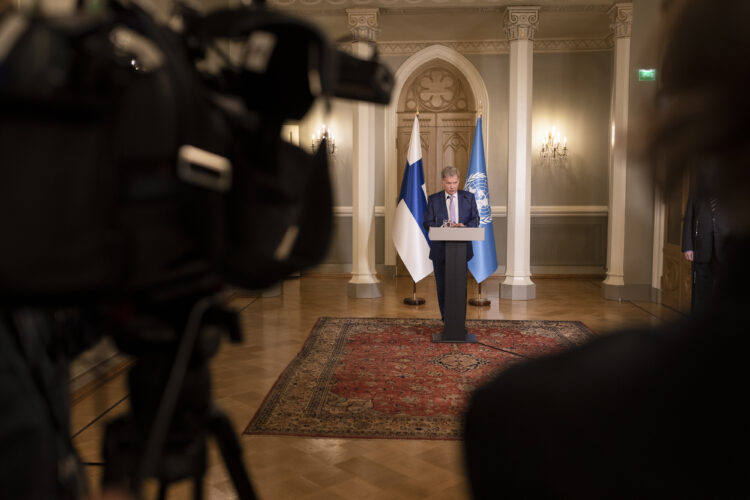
<point>317,468</point>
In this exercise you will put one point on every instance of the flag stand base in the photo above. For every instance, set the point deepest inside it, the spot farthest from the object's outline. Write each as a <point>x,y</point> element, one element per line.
<point>479,301</point>
<point>414,300</point>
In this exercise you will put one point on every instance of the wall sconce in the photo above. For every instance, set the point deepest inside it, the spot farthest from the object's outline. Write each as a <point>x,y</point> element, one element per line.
<point>552,148</point>
<point>324,133</point>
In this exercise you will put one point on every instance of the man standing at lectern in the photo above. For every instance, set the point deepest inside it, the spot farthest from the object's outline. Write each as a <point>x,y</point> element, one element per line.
<point>452,207</point>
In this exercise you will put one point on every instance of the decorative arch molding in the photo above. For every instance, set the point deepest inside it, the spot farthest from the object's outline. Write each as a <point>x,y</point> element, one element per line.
<point>403,73</point>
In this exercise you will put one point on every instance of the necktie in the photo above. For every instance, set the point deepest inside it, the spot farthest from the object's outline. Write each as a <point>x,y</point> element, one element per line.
<point>453,210</point>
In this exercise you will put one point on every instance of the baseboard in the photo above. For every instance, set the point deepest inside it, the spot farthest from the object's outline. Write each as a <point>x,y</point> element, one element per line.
<point>343,269</point>
<point>627,292</point>
<point>593,271</point>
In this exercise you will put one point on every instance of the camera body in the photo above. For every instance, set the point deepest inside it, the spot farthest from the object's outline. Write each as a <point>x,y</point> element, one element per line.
<point>127,172</point>
<point>133,187</point>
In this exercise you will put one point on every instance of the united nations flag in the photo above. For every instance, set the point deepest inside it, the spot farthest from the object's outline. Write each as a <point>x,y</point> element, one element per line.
<point>484,262</point>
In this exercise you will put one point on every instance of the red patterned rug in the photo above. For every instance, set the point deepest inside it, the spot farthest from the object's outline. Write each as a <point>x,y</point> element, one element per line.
<point>384,378</point>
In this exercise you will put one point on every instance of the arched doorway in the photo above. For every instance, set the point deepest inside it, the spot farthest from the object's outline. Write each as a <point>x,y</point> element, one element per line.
<point>447,113</point>
<point>393,165</point>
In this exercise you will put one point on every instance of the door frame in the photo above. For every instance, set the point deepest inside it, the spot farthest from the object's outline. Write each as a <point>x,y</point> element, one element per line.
<point>660,240</point>
<point>391,181</point>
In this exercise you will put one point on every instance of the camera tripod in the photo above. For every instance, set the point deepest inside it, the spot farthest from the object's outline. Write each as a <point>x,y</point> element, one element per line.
<point>165,434</point>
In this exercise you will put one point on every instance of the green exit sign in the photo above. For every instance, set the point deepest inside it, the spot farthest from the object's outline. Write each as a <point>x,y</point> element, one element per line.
<point>646,75</point>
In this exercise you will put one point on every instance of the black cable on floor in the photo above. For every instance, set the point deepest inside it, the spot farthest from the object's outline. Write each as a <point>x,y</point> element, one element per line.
<point>503,350</point>
<point>99,417</point>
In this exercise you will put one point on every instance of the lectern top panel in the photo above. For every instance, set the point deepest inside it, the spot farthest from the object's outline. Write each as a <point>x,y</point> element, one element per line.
<point>456,233</point>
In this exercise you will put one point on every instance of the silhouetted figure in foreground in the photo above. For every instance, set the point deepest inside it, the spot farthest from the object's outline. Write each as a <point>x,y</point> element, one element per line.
<point>648,413</point>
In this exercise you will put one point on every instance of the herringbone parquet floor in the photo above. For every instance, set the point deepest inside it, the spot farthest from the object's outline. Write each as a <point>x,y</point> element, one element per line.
<point>314,468</point>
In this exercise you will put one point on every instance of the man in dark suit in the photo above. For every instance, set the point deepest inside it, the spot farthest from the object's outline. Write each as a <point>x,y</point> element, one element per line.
<point>701,240</point>
<point>460,209</point>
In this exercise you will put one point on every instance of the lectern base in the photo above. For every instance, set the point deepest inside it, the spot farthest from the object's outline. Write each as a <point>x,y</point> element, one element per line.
<point>469,338</point>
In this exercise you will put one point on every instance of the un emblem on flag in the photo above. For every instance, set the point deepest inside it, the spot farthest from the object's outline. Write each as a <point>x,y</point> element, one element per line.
<point>477,185</point>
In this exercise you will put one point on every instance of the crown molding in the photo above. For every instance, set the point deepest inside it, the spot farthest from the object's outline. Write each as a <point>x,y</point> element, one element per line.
<point>499,46</point>
<point>573,44</point>
<point>442,5</point>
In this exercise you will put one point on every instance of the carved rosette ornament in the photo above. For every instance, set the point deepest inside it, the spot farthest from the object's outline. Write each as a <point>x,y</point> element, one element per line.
<point>621,19</point>
<point>436,89</point>
<point>363,23</point>
<point>521,23</point>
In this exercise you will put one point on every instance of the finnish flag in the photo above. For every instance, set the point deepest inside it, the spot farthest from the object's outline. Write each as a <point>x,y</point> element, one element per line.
<point>409,236</point>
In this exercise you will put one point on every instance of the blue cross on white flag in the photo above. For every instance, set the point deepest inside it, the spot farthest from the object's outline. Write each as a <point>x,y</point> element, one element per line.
<point>409,236</point>
<point>484,262</point>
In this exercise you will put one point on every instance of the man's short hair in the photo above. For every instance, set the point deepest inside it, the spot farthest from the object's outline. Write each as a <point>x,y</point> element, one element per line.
<point>449,172</point>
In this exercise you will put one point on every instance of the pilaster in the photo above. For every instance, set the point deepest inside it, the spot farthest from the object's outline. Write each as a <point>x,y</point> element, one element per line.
<point>521,23</point>
<point>364,283</point>
<point>363,23</point>
<point>520,26</point>
<point>621,17</point>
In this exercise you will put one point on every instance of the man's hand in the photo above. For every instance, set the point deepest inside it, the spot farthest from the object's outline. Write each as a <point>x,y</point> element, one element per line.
<point>457,224</point>
<point>689,255</point>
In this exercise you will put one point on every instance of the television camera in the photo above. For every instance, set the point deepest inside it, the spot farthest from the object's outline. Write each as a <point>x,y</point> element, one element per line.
<point>140,162</point>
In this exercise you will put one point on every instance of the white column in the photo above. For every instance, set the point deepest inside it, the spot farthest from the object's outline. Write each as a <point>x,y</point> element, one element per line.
<point>363,24</point>
<point>621,15</point>
<point>520,27</point>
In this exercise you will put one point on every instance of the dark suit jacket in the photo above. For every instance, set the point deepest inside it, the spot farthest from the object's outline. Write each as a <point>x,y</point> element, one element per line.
<point>436,213</point>
<point>701,231</point>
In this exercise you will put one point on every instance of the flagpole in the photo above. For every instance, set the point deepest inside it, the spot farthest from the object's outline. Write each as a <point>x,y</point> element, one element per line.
<point>479,301</point>
<point>414,300</point>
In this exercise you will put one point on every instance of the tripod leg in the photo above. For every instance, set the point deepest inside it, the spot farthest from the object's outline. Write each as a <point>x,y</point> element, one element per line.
<point>198,488</point>
<point>163,490</point>
<point>231,451</point>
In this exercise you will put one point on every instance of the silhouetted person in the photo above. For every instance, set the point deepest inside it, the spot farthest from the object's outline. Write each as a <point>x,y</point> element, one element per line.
<point>647,413</point>
<point>702,241</point>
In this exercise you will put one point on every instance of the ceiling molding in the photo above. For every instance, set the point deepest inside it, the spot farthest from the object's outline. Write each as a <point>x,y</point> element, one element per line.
<point>544,5</point>
<point>501,46</point>
<point>573,45</point>
<point>416,7</point>
<point>419,11</point>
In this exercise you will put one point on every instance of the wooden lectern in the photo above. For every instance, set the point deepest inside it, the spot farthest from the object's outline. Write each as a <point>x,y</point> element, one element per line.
<point>455,239</point>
